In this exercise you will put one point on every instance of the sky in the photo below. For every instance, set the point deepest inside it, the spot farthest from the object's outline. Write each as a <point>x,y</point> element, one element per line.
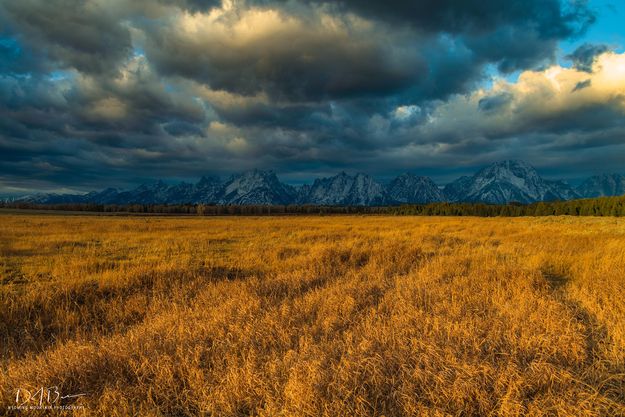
<point>98,93</point>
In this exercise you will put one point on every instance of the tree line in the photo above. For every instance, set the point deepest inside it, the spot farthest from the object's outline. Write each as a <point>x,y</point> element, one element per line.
<point>602,206</point>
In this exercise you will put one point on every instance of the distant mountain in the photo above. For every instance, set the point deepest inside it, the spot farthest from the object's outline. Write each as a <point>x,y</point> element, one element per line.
<point>457,190</point>
<point>344,190</point>
<point>411,189</point>
<point>606,185</point>
<point>256,187</point>
<point>147,193</point>
<point>561,190</point>
<point>499,183</point>
<point>508,181</point>
<point>107,196</point>
<point>206,190</point>
<point>52,198</point>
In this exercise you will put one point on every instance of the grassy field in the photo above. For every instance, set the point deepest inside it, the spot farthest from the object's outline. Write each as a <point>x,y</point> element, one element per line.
<point>314,316</point>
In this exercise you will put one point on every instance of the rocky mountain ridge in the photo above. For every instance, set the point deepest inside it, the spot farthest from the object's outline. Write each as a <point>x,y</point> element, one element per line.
<point>499,183</point>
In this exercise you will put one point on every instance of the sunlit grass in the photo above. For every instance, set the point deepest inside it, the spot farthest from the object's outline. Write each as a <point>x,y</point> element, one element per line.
<point>316,316</point>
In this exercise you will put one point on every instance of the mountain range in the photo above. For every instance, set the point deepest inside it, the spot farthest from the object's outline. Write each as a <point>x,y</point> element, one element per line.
<point>499,183</point>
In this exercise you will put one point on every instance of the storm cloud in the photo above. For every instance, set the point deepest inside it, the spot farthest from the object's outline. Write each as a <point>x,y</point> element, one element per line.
<point>96,93</point>
<point>584,56</point>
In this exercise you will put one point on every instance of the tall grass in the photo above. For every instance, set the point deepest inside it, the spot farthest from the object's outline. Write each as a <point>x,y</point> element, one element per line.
<point>332,316</point>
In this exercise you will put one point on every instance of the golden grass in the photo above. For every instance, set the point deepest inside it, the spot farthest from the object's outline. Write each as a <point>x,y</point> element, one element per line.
<point>317,316</point>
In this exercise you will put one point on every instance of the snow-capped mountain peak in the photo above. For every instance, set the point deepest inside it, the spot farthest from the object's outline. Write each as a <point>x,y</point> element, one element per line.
<point>343,189</point>
<point>498,183</point>
<point>409,188</point>
<point>507,181</point>
<point>256,187</point>
<point>602,186</point>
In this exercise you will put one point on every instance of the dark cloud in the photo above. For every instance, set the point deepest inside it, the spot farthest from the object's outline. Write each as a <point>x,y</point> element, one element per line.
<point>584,56</point>
<point>592,117</point>
<point>514,48</point>
<point>297,116</point>
<point>179,128</point>
<point>96,93</point>
<point>15,59</point>
<point>196,5</point>
<point>436,50</point>
<point>69,33</point>
<point>288,58</point>
<point>552,18</point>
<point>496,102</point>
<point>581,85</point>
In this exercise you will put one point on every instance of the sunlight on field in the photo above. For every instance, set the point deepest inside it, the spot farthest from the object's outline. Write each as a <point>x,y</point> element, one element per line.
<point>315,316</point>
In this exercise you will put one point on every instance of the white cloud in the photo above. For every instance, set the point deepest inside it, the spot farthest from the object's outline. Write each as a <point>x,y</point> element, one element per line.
<point>535,97</point>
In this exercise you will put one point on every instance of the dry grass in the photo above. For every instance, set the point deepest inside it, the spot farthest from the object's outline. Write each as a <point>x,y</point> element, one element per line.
<point>334,316</point>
